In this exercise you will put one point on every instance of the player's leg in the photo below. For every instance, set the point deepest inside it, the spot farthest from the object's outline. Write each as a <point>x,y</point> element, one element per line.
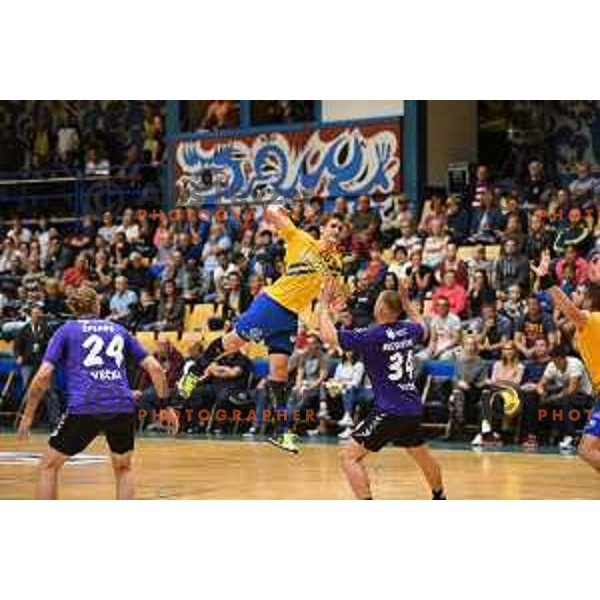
<point>351,457</point>
<point>124,479</point>
<point>120,436</point>
<point>278,391</point>
<point>72,435</point>
<point>49,470</point>
<point>589,447</point>
<point>430,469</point>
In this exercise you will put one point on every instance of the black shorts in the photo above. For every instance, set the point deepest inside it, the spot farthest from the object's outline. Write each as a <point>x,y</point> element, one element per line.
<point>74,433</point>
<point>378,429</point>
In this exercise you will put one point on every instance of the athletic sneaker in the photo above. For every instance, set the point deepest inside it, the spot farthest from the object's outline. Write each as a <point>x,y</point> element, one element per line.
<point>323,412</point>
<point>567,443</point>
<point>251,432</point>
<point>346,421</point>
<point>287,442</point>
<point>345,435</point>
<point>477,440</point>
<point>530,443</point>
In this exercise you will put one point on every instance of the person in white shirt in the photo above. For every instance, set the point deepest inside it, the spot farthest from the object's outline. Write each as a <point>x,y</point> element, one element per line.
<point>18,233</point>
<point>347,379</point>
<point>129,227</point>
<point>108,229</point>
<point>571,392</point>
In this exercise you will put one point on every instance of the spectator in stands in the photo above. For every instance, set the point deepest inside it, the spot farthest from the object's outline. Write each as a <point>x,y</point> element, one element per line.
<point>77,274</point>
<point>362,301</point>
<point>571,265</point>
<point>108,228</point>
<point>512,268</point>
<point>136,272</point>
<point>96,166</point>
<point>434,248</point>
<point>482,186</point>
<point>513,231</point>
<point>457,220</point>
<point>582,189</point>
<point>538,237</point>
<point>170,309</point>
<point>171,361</point>
<point>147,312</point>
<point>391,282</point>
<point>514,307</point>
<point>479,293</point>
<point>434,210</point>
<point>471,375</point>
<point>420,275</point>
<point>570,390</point>
<point>455,293</point>
<point>444,334</point>
<point>194,285</point>
<point>531,398</point>
<point>408,237</point>
<point>122,302</point>
<point>129,227</point>
<point>391,209</point>
<point>18,233</point>
<point>507,368</point>
<point>486,222</point>
<point>223,377</point>
<point>347,379</point>
<point>376,267</point>
<point>365,224</point>
<point>534,324</point>
<point>313,368</point>
<point>452,262</point>
<point>492,331</point>
<point>236,298</point>
<point>535,190</point>
<point>574,233</point>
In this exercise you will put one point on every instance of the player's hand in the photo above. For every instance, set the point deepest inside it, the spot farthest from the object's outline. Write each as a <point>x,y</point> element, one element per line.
<point>544,267</point>
<point>24,428</point>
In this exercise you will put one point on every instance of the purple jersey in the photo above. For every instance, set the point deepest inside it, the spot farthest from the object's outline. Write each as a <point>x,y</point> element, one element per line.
<point>388,353</point>
<point>93,355</point>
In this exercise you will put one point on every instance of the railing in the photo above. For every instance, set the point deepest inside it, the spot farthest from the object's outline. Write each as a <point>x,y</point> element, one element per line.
<point>77,194</point>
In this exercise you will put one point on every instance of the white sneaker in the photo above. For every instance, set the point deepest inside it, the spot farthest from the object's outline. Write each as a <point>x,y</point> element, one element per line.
<point>346,421</point>
<point>567,443</point>
<point>477,440</point>
<point>250,433</point>
<point>345,435</point>
<point>312,432</point>
<point>323,412</point>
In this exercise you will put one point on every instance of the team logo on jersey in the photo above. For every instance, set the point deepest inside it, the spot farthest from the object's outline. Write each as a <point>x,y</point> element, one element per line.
<point>32,458</point>
<point>391,334</point>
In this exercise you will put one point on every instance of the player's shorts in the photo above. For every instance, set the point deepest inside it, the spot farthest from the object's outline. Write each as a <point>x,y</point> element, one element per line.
<point>378,429</point>
<point>74,433</point>
<point>592,427</point>
<point>268,321</point>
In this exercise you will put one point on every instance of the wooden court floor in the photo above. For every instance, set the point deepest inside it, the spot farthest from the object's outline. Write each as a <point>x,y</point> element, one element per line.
<point>206,469</point>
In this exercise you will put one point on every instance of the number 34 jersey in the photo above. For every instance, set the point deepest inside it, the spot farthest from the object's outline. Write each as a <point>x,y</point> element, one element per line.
<point>388,353</point>
<point>93,355</point>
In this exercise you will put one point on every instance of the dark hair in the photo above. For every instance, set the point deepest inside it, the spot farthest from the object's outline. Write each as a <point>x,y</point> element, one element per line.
<point>594,296</point>
<point>559,352</point>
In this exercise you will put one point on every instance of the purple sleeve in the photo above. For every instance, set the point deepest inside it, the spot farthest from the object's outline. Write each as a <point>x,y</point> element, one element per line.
<point>353,339</point>
<point>416,330</point>
<point>56,346</point>
<point>135,349</point>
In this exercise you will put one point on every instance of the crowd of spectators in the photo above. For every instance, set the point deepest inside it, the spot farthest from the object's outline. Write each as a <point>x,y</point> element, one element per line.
<point>68,138</point>
<point>465,260</point>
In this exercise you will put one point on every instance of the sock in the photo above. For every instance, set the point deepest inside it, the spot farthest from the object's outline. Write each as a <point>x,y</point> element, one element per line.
<point>278,392</point>
<point>438,494</point>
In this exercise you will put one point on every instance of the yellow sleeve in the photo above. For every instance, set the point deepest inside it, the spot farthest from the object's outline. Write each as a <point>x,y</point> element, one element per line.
<point>288,231</point>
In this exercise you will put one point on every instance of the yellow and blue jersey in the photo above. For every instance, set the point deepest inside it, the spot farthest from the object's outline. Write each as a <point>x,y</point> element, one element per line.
<point>306,266</point>
<point>588,343</point>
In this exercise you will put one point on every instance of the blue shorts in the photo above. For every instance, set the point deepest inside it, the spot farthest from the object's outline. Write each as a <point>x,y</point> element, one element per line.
<point>592,427</point>
<point>267,321</point>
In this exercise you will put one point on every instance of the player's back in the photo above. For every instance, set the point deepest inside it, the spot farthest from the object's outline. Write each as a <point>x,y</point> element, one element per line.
<point>388,352</point>
<point>93,354</point>
<point>588,343</point>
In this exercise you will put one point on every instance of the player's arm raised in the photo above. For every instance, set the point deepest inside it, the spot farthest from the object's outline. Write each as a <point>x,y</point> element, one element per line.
<point>409,308</point>
<point>37,389</point>
<point>329,333</point>
<point>562,302</point>
<point>277,217</point>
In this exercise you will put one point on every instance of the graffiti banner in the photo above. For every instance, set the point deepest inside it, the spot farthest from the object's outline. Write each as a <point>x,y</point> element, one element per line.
<point>321,161</point>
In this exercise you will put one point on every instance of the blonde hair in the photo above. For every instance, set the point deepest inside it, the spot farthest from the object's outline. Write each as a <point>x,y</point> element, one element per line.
<point>83,300</point>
